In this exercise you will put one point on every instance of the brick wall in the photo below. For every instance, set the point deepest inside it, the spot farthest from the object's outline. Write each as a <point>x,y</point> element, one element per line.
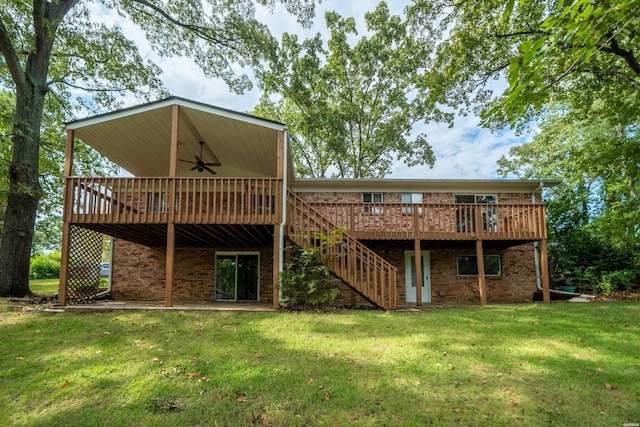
<point>138,272</point>
<point>517,283</point>
<point>396,197</point>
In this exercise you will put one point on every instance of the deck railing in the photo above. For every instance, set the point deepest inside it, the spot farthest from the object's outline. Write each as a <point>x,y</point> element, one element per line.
<point>431,221</point>
<point>365,271</point>
<point>195,200</point>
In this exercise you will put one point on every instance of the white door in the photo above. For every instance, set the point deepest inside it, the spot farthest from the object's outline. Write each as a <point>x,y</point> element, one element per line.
<point>410,276</point>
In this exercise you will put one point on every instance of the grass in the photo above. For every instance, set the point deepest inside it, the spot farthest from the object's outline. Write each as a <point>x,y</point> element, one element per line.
<point>44,286</point>
<point>560,364</point>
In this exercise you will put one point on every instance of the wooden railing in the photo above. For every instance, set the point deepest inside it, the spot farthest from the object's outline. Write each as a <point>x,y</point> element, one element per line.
<point>366,272</point>
<point>195,200</point>
<point>403,221</point>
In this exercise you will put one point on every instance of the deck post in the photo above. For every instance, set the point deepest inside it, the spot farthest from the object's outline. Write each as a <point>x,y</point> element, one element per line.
<point>66,227</point>
<point>171,249</point>
<point>171,227</point>
<point>482,284</point>
<point>418,257</point>
<point>276,267</point>
<point>544,271</point>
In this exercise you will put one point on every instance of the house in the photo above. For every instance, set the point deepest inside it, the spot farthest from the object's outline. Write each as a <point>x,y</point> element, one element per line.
<point>213,204</point>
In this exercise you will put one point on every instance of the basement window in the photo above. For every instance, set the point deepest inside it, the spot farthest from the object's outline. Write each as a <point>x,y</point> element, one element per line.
<point>468,265</point>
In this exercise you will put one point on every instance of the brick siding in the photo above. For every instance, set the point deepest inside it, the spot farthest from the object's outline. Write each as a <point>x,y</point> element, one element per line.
<point>138,272</point>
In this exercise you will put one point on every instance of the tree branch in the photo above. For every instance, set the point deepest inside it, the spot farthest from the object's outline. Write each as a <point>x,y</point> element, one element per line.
<point>11,58</point>
<point>627,55</point>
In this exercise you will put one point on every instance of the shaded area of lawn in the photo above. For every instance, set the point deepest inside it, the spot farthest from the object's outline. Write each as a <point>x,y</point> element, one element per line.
<point>518,365</point>
<point>44,286</point>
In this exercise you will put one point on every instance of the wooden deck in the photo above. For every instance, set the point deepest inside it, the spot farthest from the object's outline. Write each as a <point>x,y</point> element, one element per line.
<point>196,200</point>
<point>439,222</point>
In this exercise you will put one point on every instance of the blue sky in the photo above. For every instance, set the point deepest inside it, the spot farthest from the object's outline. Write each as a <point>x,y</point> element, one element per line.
<point>465,151</point>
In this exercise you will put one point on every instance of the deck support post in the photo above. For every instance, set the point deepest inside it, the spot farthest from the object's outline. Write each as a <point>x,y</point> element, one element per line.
<point>66,227</point>
<point>171,210</point>
<point>544,271</point>
<point>482,284</point>
<point>276,267</point>
<point>418,257</point>
<point>171,250</point>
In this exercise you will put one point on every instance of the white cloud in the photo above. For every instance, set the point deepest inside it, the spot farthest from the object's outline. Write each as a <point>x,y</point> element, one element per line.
<point>465,151</point>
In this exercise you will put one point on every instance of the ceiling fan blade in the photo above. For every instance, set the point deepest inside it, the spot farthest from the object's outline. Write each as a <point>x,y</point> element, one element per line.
<point>197,159</point>
<point>213,164</point>
<point>186,161</point>
<point>194,168</point>
<point>211,171</point>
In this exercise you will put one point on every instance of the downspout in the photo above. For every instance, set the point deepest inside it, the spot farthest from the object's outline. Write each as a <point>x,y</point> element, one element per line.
<point>99,294</point>
<point>536,245</point>
<point>285,173</point>
<point>536,257</point>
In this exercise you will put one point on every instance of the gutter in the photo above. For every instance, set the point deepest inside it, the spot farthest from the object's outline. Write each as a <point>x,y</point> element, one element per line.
<point>536,257</point>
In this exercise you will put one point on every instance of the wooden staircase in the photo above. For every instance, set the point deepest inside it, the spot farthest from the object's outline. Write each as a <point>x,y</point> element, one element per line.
<point>366,272</point>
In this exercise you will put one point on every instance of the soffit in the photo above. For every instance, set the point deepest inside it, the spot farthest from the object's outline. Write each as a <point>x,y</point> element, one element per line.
<point>415,185</point>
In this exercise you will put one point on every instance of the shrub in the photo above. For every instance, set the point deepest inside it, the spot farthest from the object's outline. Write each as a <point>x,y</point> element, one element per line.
<point>306,282</point>
<point>45,266</point>
<point>617,281</point>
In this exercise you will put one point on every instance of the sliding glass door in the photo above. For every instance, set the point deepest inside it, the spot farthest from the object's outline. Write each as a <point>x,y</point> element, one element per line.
<point>237,277</point>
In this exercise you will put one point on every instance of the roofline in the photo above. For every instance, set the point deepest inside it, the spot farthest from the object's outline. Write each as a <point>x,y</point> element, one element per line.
<point>207,108</point>
<point>487,185</point>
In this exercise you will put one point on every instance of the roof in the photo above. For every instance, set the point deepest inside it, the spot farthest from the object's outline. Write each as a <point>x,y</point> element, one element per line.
<point>138,138</point>
<point>422,185</point>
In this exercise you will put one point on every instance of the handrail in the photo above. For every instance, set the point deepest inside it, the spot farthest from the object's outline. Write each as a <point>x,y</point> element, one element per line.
<point>366,272</point>
<point>196,200</point>
<point>437,221</point>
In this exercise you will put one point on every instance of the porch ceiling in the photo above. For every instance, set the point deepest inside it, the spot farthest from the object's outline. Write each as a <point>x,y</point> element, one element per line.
<point>138,139</point>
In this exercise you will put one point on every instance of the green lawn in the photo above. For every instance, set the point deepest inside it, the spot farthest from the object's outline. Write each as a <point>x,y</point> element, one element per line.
<point>558,364</point>
<point>44,286</point>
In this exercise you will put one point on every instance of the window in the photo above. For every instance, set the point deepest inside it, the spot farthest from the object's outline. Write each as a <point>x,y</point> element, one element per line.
<point>372,198</point>
<point>468,265</point>
<point>465,218</point>
<point>413,198</point>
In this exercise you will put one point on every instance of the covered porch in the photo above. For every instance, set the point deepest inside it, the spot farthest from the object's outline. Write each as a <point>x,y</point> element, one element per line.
<point>202,176</point>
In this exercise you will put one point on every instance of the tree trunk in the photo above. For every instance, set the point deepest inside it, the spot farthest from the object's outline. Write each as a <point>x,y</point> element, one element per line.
<point>24,194</point>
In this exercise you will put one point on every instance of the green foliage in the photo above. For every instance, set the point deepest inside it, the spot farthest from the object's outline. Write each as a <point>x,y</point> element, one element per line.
<point>618,281</point>
<point>45,266</point>
<point>547,51</point>
<point>351,105</point>
<point>307,283</point>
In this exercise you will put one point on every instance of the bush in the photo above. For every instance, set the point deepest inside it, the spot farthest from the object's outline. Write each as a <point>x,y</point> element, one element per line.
<point>45,266</point>
<point>617,281</point>
<point>306,282</point>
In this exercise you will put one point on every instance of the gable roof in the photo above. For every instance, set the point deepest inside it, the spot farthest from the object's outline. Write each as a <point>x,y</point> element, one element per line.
<point>138,138</point>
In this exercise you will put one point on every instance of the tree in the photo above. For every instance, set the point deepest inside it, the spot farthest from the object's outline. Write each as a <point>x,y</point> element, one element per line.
<point>54,53</point>
<point>351,107</point>
<point>546,50</point>
<point>594,216</point>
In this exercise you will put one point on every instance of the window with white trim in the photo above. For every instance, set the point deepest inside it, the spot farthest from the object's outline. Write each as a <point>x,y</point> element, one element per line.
<point>373,198</point>
<point>413,198</point>
<point>465,218</point>
<point>467,265</point>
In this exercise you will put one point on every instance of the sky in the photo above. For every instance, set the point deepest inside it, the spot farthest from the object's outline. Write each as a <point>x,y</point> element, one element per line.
<point>466,151</point>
